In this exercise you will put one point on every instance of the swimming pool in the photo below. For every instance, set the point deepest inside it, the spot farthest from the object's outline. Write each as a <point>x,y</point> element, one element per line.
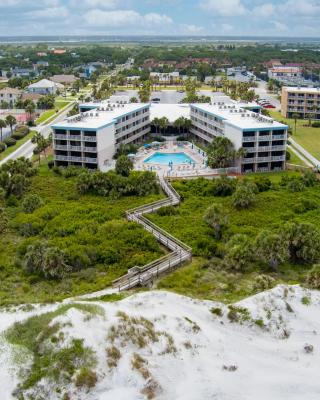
<point>166,158</point>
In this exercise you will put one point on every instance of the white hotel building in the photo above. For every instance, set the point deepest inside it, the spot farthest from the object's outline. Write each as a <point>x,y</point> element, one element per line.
<point>263,138</point>
<point>91,138</point>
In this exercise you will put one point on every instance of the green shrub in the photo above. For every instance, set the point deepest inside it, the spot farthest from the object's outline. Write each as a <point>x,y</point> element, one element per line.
<point>18,135</point>
<point>217,311</point>
<point>31,202</point>
<point>263,184</point>
<point>10,141</point>
<point>170,210</point>
<point>3,146</point>
<point>245,195</point>
<point>224,187</point>
<point>313,277</point>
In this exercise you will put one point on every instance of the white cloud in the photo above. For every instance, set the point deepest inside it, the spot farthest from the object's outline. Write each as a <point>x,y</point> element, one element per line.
<point>155,18</point>
<point>123,18</point>
<point>53,12</point>
<point>192,29</point>
<point>225,8</point>
<point>264,11</point>
<point>226,28</point>
<point>106,4</point>
<point>300,7</point>
<point>280,26</point>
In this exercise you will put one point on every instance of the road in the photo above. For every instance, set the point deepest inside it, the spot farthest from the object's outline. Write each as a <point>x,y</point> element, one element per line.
<point>263,93</point>
<point>26,150</point>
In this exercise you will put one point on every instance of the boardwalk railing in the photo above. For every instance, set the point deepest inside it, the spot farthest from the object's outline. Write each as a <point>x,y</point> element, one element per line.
<point>180,252</point>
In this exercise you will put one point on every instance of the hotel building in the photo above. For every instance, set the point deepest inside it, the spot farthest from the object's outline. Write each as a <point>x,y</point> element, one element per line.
<point>263,138</point>
<point>91,138</point>
<point>300,100</point>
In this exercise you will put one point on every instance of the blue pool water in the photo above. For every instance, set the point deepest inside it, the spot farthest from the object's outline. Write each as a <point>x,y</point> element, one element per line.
<point>166,158</point>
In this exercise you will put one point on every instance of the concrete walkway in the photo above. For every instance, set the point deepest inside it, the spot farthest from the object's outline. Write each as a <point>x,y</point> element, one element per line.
<point>314,161</point>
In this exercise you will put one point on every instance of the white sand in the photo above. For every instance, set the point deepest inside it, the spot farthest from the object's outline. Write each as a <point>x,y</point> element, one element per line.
<point>269,366</point>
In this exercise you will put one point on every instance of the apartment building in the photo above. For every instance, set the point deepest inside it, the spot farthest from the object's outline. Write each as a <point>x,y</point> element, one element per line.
<point>91,138</point>
<point>284,71</point>
<point>10,95</point>
<point>302,101</point>
<point>263,138</point>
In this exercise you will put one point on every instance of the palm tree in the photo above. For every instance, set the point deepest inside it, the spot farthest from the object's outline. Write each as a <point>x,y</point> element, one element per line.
<point>156,123</point>
<point>217,218</point>
<point>178,124</point>
<point>187,124</point>
<point>29,109</point>
<point>295,116</point>
<point>3,124</point>
<point>164,122</point>
<point>240,154</point>
<point>309,116</point>
<point>41,143</point>
<point>11,121</point>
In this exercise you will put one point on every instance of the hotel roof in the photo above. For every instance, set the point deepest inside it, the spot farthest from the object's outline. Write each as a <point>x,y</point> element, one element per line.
<point>99,117</point>
<point>302,89</point>
<point>239,117</point>
<point>171,111</point>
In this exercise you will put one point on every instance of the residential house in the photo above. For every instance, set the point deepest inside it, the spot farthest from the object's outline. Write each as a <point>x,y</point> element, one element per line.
<point>44,86</point>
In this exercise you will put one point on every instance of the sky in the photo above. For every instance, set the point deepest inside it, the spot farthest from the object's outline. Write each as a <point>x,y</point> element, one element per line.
<point>161,17</point>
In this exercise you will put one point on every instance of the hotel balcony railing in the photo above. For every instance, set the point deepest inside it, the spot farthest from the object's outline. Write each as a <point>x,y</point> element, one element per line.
<point>76,159</point>
<point>249,139</point>
<point>75,148</point>
<point>263,159</point>
<point>264,137</point>
<point>60,147</point>
<point>264,148</point>
<point>279,137</point>
<point>63,137</point>
<point>90,138</point>
<point>249,160</point>
<point>278,158</point>
<point>75,137</point>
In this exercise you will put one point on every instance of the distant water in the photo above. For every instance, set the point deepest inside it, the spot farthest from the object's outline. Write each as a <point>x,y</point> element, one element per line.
<point>155,39</point>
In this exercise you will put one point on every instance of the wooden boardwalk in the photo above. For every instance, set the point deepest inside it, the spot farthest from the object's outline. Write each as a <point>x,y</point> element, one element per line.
<point>180,252</point>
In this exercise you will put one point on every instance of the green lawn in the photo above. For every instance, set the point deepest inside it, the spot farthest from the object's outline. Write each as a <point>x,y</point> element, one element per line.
<point>91,229</point>
<point>306,136</point>
<point>51,113</point>
<point>19,143</point>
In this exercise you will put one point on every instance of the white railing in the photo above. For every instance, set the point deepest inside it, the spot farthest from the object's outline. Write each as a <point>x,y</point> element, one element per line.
<point>90,138</point>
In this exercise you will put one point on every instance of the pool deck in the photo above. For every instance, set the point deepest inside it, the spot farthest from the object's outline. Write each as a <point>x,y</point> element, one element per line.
<point>177,171</point>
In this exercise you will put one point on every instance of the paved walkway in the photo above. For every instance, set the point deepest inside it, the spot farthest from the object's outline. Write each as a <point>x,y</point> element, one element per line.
<point>314,161</point>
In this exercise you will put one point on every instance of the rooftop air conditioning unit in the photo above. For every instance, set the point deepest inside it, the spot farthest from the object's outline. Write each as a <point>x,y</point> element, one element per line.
<point>243,115</point>
<point>97,114</point>
<point>91,114</point>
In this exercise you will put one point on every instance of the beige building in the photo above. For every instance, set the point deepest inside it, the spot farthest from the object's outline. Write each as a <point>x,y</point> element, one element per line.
<point>10,95</point>
<point>302,101</point>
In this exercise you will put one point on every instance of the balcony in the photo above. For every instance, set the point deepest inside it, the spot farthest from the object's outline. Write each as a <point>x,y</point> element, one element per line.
<point>61,137</point>
<point>249,139</point>
<point>248,160</point>
<point>89,149</point>
<point>75,137</point>
<point>61,147</point>
<point>263,159</point>
<point>68,158</point>
<point>90,138</point>
<point>264,138</point>
<point>75,148</point>
<point>90,160</point>
<point>278,158</point>
<point>279,137</point>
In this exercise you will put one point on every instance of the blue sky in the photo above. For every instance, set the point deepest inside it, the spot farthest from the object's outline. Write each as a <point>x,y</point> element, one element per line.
<point>191,17</point>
